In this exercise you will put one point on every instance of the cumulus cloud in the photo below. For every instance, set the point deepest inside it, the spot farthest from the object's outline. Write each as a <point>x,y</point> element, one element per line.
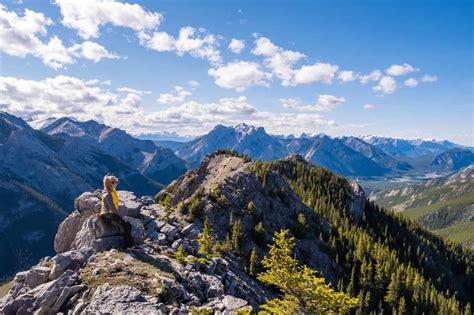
<point>20,36</point>
<point>324,103</point>
<point>375,75</point>
<point>177,96</point>
<point>323,72</point>
<point>282,63</point>
<point>87,16</point>
<point>91,51</point>
<point>236,45</point>
<point>386,85</point>
<point>369,106</point>
<point>279,61</point>
<point>397,70</point>
<point>429,78</point>
<point>239,75</point>
<point>346,76</point>
<point>411,82</point>
<point>195,42</point>
<point>64,95</point>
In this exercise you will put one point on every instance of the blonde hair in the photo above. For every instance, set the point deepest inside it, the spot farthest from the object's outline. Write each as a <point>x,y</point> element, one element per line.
<point>109,182</point>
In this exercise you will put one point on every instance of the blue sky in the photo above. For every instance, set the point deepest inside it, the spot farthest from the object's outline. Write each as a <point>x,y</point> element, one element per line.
<point>304,66</point>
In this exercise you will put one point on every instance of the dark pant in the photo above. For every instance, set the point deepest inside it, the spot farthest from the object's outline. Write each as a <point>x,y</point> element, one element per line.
<point>115,219</point>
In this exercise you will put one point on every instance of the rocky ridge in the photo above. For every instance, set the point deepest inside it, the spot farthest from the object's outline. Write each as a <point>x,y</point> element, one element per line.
<point>93,273</point>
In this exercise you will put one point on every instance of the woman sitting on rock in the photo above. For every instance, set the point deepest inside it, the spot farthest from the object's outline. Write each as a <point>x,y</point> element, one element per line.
<point>109,210</point>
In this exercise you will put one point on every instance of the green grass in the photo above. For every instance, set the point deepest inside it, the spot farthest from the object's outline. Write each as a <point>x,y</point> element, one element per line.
<point>461,233</point>
<point>415,213</point>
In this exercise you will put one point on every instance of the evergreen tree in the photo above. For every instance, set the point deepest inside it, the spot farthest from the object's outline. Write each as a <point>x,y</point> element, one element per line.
<point>253,262</point>
<point>206,241</point>
<point>303,292</point>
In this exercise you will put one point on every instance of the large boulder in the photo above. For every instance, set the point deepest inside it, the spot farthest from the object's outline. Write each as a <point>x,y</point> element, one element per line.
<point>86,205</point>
<point>98,235</point>
<point>129,205</point>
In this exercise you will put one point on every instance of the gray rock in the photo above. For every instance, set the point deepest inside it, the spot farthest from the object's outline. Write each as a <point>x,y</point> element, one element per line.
<point>86,205</point>
<point>98,235</point>
<point>138,231</point>
<point>146,200</point>
<point>129,205</point>
<point>187,228</point>
<point>36,276</point>
<point>232,303</point>
<point>20,276</point>
<point>170,231</point>
<point>45,295</point>
<point>176,244</point>
<point>119,300</point>
<point>205,286</point>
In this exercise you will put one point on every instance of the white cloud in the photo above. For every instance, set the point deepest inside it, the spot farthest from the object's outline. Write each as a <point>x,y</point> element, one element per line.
<point>87,16</point>
<point>92,51</point>
<point>325,103</point>
<point>323,72</point>
<point>369,106</point>
<point>177,96</point>
<point>411,82</point>
<point>346,76</point>
<point>397,70</point>
<point>195,42</point>
<point>387,85</point>
<point>429,78</point>
<point>372,76</point>
<point>63,95</point>
<point>238,75</point>
<point>279,61</point>
<point>193,118</point>
<point>19,37</point>
<point>236,45</point>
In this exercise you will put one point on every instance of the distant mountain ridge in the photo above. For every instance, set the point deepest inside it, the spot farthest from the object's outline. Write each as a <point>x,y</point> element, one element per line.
<point>348,156</point>
<point>453,159</point>
<point>156,162</point>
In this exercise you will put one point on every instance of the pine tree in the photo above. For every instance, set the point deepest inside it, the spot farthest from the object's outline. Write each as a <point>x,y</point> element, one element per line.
<point>253,262</point>
<point>235,236</point>
<point>206,241</point>
<point>303,292</point>
<point>180,255</point>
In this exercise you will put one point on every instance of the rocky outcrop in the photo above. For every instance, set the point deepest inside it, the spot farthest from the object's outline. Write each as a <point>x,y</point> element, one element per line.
<point>85,277</point>
<point>84,229</point>
<point>356,199</point>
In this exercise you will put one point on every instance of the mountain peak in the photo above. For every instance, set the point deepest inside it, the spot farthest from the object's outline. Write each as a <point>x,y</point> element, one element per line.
<point>244,128</point>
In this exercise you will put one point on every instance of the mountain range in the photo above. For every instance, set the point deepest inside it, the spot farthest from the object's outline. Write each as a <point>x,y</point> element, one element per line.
<point>348,156</point>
